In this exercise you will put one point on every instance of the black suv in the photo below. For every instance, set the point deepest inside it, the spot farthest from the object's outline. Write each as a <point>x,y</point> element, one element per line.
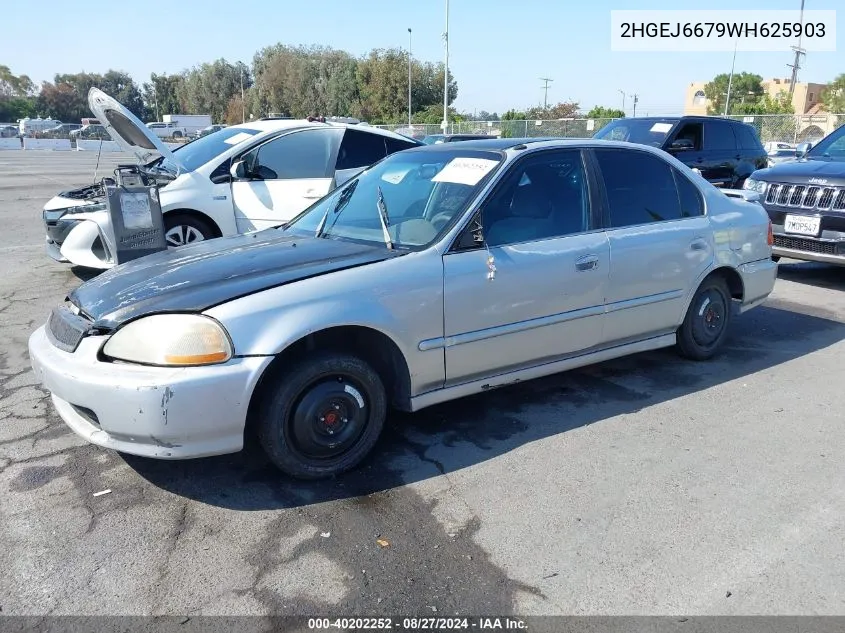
<point>805,200</point>
<point>725,151</point>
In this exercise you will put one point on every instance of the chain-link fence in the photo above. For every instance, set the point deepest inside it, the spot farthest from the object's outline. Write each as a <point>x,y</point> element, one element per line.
<point>785,128</point>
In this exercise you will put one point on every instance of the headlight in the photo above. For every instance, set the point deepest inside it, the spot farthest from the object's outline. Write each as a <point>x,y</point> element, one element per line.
<point>755,185</point>
<point>171,340</point>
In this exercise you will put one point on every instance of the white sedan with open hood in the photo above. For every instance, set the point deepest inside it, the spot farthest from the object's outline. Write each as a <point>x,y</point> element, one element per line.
<point>240,179</point>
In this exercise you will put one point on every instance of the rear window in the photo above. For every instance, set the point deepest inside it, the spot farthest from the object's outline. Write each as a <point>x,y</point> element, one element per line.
<point>747,137</point>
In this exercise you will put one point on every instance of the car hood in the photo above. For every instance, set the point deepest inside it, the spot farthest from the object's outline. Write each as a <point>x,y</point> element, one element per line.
<point>127,130</point>
<point>199,276</point>
<point>799,171</point>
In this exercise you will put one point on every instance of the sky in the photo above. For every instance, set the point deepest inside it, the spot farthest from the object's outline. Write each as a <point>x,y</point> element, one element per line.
<point>498,51</point>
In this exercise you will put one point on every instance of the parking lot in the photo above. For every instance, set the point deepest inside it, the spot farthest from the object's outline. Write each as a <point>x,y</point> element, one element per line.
<point>648,485</point>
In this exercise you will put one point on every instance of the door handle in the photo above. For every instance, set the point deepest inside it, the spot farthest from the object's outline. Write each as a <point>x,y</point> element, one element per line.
<point>311,195</point>
<point>587,262</point>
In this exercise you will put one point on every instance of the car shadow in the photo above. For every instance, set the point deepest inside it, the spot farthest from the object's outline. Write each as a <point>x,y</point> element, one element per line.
<point>826,276</point>
<point>84,274</point>
<point>448,437</point>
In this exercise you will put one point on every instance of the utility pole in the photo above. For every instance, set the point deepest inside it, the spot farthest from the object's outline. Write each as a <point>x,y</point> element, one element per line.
<point>730,79</point>
<point>636,100</point>
<point>243,103</point>
<point>796,65</point>
<point>546,81</point>
<point>409,77</point>
<point>623,100</point>
<point>445,124</point>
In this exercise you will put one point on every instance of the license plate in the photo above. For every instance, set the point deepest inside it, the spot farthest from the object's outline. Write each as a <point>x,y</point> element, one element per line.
<point>802,224</point>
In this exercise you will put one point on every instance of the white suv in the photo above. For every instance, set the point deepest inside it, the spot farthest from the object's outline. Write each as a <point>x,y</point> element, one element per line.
<point>242,178</point>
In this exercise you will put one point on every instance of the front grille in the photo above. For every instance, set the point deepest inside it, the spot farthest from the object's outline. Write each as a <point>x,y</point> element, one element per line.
<point>65,329</point>
<point>804,244</point>
<point>806,197</point>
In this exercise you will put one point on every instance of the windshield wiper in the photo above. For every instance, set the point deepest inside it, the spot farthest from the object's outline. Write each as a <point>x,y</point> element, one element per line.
<point>383,218</point>
<point>342,201</point>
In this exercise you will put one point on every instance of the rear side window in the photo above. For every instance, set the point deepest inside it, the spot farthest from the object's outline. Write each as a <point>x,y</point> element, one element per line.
<point>690,198</point>
<point>640,188</point>
<point>396,145</point>
<point>360,149</point>
<point>747,137</point>
<point>718,135</point>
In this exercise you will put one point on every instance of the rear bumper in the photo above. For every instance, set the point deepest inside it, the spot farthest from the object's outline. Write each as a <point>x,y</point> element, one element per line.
<point>758,281</point>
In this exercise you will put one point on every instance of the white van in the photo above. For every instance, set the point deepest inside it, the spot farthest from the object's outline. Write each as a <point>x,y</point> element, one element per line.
<point>28,126</point>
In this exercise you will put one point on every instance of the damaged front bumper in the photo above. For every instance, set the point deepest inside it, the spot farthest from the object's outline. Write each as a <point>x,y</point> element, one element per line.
<point>161,412</point>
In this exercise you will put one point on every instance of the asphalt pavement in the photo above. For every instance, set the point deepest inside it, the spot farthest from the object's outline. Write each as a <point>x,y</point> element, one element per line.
<point>647,485</point>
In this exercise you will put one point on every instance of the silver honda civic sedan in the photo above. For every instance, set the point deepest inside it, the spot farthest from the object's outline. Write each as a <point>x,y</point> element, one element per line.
<point>439,272</point>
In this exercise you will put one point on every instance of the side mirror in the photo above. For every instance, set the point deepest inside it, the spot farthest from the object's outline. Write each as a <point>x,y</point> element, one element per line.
<point>682,144</point>
<point>802,149</point>
<point>238,170</point>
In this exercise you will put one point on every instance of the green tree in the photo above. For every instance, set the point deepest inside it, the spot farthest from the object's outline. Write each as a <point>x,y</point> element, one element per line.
<point>833,97</point>
<point>208,88</point>
<point>563,110</point>
<point>160,96</point>
<point>745,88</point>
<point>780,104</point>
<point>514,115</point>
<point>600,112</point>
<point>17,96</point>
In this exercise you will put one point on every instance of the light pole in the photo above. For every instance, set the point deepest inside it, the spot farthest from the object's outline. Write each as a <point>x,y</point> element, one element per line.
<point>409,77</point>
<point>623,100</point>
<point>243,103</point>
<point>730,79</point>
<point>446,75</point>
<point>545,81</point>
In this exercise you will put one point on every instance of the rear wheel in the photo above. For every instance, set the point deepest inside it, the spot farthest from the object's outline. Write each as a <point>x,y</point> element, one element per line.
<point>322,416</point>
<point>707,320</point>
<point>181,229</point>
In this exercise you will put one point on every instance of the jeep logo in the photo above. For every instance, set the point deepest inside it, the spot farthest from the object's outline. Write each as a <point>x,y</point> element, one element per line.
<point>818,181</point>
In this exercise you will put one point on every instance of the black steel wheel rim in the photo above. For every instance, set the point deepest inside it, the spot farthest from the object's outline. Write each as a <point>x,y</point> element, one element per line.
<point>710,317</point>
<point>328,418</point>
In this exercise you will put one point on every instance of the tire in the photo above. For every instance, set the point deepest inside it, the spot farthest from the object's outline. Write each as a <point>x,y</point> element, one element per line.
<point>312,423</point>
<point>707,321</point>
<point>177,134</point>
<point>181,229</point>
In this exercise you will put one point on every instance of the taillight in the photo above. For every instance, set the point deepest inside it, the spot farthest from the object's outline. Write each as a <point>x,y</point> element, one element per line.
<point>771,236</point>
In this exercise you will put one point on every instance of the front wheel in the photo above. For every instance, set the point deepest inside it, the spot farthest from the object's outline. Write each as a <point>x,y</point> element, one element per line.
<point>322,416</point>
<point>181,229</point>
<point>707,320</point>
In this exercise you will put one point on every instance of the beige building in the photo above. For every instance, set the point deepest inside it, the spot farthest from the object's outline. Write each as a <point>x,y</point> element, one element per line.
<point>805,98</point>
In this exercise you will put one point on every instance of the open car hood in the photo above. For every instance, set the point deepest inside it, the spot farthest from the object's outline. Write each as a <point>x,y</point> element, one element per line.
<point>127,130</point>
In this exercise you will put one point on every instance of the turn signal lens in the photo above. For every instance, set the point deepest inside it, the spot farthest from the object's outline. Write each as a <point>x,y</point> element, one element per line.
<point>771,237</point>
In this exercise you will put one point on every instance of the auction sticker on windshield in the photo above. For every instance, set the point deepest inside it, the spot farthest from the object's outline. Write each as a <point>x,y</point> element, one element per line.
<point>661,127</point>
<point>802,224</point>
<point>465,171</point>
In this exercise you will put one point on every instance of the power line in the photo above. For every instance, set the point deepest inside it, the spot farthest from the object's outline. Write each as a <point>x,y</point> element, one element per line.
<point>546,81</point>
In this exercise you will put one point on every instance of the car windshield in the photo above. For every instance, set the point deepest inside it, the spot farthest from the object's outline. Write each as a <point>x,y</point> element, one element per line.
<point>197,153</point>
<point>418,193</point>
<point>641,131</point>
<point>832,147</point>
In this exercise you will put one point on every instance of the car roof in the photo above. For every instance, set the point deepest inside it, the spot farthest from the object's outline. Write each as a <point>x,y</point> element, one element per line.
<point>549,142</point>
<point>276,125</point>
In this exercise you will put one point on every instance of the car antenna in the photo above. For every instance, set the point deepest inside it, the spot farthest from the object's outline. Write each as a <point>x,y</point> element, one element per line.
<point>97,166</point>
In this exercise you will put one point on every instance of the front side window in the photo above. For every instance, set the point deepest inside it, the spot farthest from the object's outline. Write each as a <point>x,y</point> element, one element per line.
<point>719,136</point>
<point>640,188</point>
<point>543,197</point>
<point>690,132</point>
<point>420,195</point>
<point>303,154</point>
